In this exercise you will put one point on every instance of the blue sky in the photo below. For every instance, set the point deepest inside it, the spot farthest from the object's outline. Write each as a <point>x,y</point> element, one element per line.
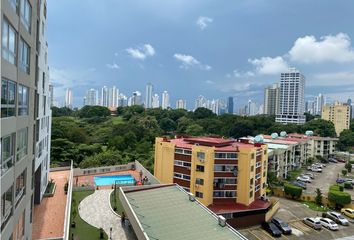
<point>201,47</point>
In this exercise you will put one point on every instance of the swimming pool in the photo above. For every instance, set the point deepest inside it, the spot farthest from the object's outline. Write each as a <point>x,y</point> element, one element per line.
<point>110,180</point>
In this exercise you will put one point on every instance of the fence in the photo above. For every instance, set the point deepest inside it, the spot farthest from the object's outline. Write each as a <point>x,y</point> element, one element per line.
<point>107,169</point>
<point>274,208</point>
<point>68,205</point>
<point>152,178</point>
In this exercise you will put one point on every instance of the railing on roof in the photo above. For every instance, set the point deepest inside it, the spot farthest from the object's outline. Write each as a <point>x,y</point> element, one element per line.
<point>68,205</point>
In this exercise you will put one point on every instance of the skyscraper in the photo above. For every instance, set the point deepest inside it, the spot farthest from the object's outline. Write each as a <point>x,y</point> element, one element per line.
<point>230,105</point>
<point>200,102</point>
<point>91,97</point>
<point>291,98</point>
<point>25,115</point>
<point>271,100</point>
<point>148,95</point>
<point>135,99</point>
<point>319,104</point>
<point>155,101</point>
<point>165,100</point>
<point>68,98</point>
<point>113,97</point>
<point>104,97</point>
<point>181,104</point>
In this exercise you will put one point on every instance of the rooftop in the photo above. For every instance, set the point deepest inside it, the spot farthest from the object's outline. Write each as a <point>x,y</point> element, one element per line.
<point>237,207</point>
<point>167,213</point>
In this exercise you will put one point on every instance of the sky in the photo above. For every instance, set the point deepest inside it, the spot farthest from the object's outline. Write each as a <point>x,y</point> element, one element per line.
<point>189,48</point>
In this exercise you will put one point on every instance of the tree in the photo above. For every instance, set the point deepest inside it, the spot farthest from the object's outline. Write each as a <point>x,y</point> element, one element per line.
<point>348,166</point>
<point>346,140</point>
<point>195,130</point>
<point>294,191</point>
<point>167,124</point>
<point>59,112</point>
<point>93,111</point>
<point>106,158</point>
<point>320,127</point>
<point>318,198</point>
<point>344,172</point>
<point>201,113</point>
<point>242,128</point>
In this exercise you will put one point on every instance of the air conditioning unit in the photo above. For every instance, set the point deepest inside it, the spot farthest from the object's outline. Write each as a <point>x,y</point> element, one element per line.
<point>222,221</point>
<point>191,197</point>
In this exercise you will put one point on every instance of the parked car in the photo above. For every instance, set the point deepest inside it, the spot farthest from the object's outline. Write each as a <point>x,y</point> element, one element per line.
<point>341,160</point>
<point>311,175</point>
<point>328,223</point>
<point>313,222</point>
<point>315,169</point>
<point>299,184</point>
<point>305,179</point>
<point>271,228</point>
<point>336,217</point>
<point>333,160</point>
<point>283,226</point>
<point>340,180</point>
<point>348,212</point>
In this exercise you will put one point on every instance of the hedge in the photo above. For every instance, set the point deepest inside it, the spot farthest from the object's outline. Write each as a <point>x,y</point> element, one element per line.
<point>338,197</point>
<point>292,190</point>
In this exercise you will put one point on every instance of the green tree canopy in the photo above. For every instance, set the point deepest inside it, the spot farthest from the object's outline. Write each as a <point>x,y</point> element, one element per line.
<point>93,111</point>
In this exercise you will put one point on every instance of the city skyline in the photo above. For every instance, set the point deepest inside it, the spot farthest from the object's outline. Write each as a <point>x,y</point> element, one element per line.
<point>239,67</point>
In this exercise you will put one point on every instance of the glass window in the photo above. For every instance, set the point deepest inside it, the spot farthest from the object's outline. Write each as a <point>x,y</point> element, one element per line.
<point>22,142</point>
<point>199,194</point>
<point>14,5</point>
<point>6,206</point>
<point>8,42</point>
<point>24,56</point>
<point>20,186</point>
<point>7,153</point>
<point>8,98</point>
<point>200,155</point>
<point>19,231</point>
<point>199,168</point>
<point>22,100</point>
<point>26,14</point>
<point>199,181</point>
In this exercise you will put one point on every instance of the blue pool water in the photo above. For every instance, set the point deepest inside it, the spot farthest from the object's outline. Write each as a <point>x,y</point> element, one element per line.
<point>118,179</point>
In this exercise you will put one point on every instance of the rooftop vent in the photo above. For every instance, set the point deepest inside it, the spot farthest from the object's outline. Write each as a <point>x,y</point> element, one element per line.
<point>191,197</point>
<point>222,221</point>
<point>283,134</point>
<point>258,139</point>
<point>274,135</point>
<point>309,133</point>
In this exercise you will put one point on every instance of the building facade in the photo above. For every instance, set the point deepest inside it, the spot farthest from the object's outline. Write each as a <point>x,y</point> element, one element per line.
<point>165,100</point>
<point>25,114</point>
<point>291,98</point>
<point>271,100</point>
<point>91,97</point>
<point>230,105</point>
<point>181,104</point>
<point>338,114</point>
<point>68,98</point>
<point>148,95</point>
<point>217,171</point>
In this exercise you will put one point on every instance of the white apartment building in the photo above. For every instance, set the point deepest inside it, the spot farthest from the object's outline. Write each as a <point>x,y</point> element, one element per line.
<point>165,100</point>
<point>148,95</point>
<point>181,104</point>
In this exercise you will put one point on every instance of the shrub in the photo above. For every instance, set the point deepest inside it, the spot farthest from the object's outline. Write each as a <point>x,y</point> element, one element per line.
<point>318,198</point>
<point>348,166</point>
<point>293,191</point>
<point>337,196</point>
<point>347,185</point>
<point>344,172</point>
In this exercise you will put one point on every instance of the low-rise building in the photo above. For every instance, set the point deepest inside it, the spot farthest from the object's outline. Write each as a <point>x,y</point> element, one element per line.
<point>228,176</point>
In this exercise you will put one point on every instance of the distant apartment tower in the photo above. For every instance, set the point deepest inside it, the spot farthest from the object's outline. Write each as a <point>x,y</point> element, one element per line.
<point>155,101</point>
<point>104,97</point>
<point>113,94</point>
<point>319,104</point>
<point>271,100</point>
<point>201,102</point>
<point>310,107</point>
<point>122,100</point>
<point>181,104</point>
<point>291,98</point>
<point>338,114</point>
<point>230,105</point>
<point>165,100</point>
<point>135,99</point>
<point>148,95</point>
<point>68,98</point>
<point>25,115</point>
<point>91,97</point>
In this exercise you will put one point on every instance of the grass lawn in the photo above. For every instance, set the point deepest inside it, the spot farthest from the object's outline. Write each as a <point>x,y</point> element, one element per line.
<point>83,230</point>
<point>117,204</point>
<point>315,207</point>
<point>117,120</point>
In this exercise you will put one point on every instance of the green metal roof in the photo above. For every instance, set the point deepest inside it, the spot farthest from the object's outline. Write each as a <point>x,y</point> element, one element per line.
<point>166,213</point>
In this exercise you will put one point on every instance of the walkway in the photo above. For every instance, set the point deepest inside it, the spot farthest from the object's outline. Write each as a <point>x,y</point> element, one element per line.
<point>95,210</point>
<point>48,218</point>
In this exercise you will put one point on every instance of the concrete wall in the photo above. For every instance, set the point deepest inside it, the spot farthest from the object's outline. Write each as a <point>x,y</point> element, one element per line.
<point>152,178</point>
<point>97,170</point>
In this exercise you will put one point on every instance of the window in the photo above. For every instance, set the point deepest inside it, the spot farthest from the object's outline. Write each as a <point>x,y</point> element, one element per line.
<point>199,168</point>
<point>20,187</point>
<point>14,5</point>
<point>199,181</point>
<point>251,194</point>
<point>258,176</point>
<point>201,156</point>
<point>6,206</point>
<point>7,153</point>
<point>182,176</point>
<point>22,100</point>
<point>182,163</point>
<point>8,42</point>
<point>24,56</point>
<point>252,168</point>
<point>220,155</point>
<point>19,231</point>
<point>251,182</point>
<point>258,164</point>
<point>199,194</point>
<point>26,14</point>
<point>224,194</point>
<point>8,98</point>
<point>22,142</point>
<point>252,156</point>
<point>218,181</point>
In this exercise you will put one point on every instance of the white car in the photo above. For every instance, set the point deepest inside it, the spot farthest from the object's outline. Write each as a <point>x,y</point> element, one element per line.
<point>315,169</point>
<point>328,223</point>
<point>311,175</point>
<point>306,179</point>
<point>312,222</point>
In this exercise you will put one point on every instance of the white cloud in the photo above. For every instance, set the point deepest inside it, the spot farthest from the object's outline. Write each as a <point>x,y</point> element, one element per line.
<point>203,22</point>
<point>189,61</point>
<point>268,65</point>
<point>328,48</point>
<point>333,79</point>
<point>112,66</point>
<point>239,74</point>
<point>209,82</point>
<point>141,52</point>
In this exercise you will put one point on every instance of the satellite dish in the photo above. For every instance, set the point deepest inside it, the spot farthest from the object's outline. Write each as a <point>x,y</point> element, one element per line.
<point>283,134</point>
<point>309,133</point>
<point>258,139</point>
<point>274,135</point>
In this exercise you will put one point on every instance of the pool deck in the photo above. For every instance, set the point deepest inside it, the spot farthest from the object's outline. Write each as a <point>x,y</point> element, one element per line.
<point>88,180</point>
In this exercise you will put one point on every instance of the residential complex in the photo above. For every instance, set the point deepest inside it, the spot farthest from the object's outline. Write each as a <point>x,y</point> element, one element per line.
<point>91,97</point>
<point>271,100</point>
<point>291,98</point>
<point>25,114</point>
<point>165,100</point>
<point>148,95</point>
<point>228,176</point>
<point>181,104</point>
<point>338,114</point>
<point>69,98</point>
<point>230,105</point>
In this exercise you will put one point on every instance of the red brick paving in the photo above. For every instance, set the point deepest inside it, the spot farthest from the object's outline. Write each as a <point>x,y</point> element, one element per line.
<point>48,219</point>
